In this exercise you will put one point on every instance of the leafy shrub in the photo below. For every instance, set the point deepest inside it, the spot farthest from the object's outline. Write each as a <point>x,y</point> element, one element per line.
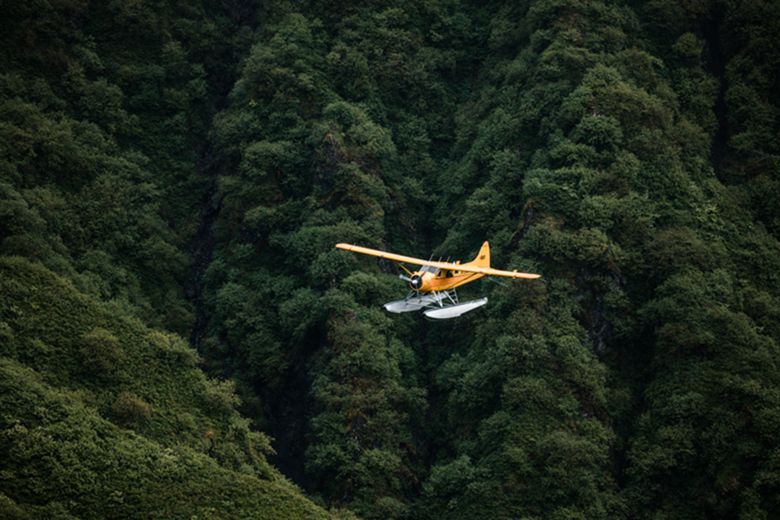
<point>130,410</point>
<point>100,352</point>
<point>220,396</point>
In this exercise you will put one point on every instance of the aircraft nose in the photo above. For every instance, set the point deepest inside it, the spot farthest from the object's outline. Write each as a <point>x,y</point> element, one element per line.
<point>416,282</point>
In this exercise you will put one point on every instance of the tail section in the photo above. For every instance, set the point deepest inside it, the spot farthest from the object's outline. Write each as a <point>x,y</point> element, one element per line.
<point>483,257</point>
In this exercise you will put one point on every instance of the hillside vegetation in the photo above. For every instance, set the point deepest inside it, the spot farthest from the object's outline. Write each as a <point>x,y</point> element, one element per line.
<point>177,330</point>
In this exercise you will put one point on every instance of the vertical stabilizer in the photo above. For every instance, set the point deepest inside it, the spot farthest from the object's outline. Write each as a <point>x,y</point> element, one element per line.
<point>483,257</point>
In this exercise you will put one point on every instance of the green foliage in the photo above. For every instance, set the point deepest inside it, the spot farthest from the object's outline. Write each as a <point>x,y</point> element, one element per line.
<point>130,410</point>
<point>220,397</point>
<point>172,170</point>
<point>101,354</point>
<point>363,411</point>
<point>68,462</point>
<point>74,365</point>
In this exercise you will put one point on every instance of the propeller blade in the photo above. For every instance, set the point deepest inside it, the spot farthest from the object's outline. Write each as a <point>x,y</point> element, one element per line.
<point>405,278</point>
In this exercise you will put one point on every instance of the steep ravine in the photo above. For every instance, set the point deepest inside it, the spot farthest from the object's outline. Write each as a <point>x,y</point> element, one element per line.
<point>202,244</point>
<point>711,29</point>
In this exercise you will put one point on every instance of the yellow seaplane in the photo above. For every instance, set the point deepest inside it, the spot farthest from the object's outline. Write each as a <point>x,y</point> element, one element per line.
<point>433,285</point>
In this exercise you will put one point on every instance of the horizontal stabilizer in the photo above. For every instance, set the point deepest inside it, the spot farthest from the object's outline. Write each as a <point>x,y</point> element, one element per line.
<point>453,311</point>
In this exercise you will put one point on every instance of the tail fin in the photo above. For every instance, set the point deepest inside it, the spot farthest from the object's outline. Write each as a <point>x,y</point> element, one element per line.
<point>483,257</point>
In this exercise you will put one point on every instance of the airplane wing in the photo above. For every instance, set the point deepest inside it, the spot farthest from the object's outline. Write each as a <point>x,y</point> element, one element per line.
<point>447,266</point>
<point>489,271</point>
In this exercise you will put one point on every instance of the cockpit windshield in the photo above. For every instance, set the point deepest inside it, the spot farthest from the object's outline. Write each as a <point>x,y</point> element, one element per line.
<point>429,269</point>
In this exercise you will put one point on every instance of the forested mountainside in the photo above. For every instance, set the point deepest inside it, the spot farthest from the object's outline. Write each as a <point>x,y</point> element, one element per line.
<point>180,339</point>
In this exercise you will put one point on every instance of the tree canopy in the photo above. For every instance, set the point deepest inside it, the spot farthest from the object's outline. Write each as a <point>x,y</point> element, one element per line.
<point>177,331</point>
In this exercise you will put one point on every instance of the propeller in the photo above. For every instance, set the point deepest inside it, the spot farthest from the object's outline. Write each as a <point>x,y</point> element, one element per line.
<point>415,282</point>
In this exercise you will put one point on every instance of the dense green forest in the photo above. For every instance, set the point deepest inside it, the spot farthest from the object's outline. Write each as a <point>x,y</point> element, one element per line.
<point>180,339</point>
